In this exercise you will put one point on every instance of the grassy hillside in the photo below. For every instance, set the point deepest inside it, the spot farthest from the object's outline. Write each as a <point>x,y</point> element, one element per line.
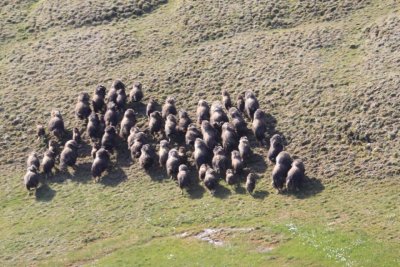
<point>326,72</point>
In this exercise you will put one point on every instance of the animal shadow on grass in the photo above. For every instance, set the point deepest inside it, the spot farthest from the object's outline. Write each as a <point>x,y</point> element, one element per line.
<point>260,194</point>
<point>195,190</point>
<point>257,163</point>
<point>114,177</point>
<point>157,174</point>
<point>81,173</point>
<point>44,193</point>
<point>222,192</point>
<point>123,155</point>
<point>311,187</point>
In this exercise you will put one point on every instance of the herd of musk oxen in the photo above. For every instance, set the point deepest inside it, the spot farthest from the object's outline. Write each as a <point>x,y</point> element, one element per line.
<point>217,139</point>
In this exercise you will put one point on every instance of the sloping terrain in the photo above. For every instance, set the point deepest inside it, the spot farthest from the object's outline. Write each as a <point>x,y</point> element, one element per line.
<point>326,72</point>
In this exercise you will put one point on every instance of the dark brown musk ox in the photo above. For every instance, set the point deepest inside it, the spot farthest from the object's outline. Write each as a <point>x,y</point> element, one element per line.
<point>230,177</point>
<point>109,139</point>
<point>280,171</point>
<point>93,128</point>
<point>202,171</point>
<point>120,101</point>
<point>276,146</point>
<point>230,139</point>
<point>56,124</point>
<point>82,107</point>
<point>259,126</point>
<point>183,177</point>
<point>170,127</point>
<point>31,178</point>
<point>147,157</point>
<point>202,154</point>
<point>76,135</point>
<point>217,116</point>
<point>251,183</point>
<point>202,112</point>
<point>211,180</point>
<point>238,122</point>
<point>151,107</point>
<point>69,154</point>
<point>220,162</point>
<point>251,104</point>
<point>128,121</point>
<point>183,122</point>
<point>48,161</point>
<point>136,93</point>
<point>173,163</point>
<point>111,116</point>
<point>139,140</point>
<point>244,148</point>
<point>33,159</point>
<point>133,135</point>
<point>169,107</point>
<point>95,147</point>
<point>100,163</point>
<point>226,99</point>
<point>210,135</point>
<point>40,132</point>
<point>163,152</point>
<point>240,103</point>
<point>296,176</point>
<point>98,99</point>
<point>192,134</point>
<point>237,162</point>
<point>156,123</point>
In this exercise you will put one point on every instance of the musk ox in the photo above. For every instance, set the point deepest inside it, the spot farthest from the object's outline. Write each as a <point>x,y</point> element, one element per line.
<point>230,177</point>
<point>31,178</point>
<point>202,171</point>
<point>128,121</point>
<point>48,161</point>
<point>230,139</point>
<point>183,176</point>
<point>108,141</point>
<point>112,95</point>
<point>147,157</point>
<point>151,107</point>
<point>163,152</point>
<point>56,124</point>
<point>226,99</point>
<point>76,135</point>
<point>251,104</point>
<point>170,127</point>
<point>276,146</point>
<point>173,163</point>
<point>95,148</point>
<point>237,162</point>
<point>93,128</point>
<point>82,107</point>
<point>202,154</point>
<point>295,176</point>
<point>111,116</point>
<point>192,134</point>
<point>98,97</point>
<point>136,93</point>
<point>218,116</point>
<point>211,180</point>
<point>259,126</point>
<point>240,103</point>
<point>33,159</point>
<point>40,131</point>
<point>120,101</point>
<point>244,148</point>
<point>238,122</point>
<point>155,122</point>
<point>135,134</point>
<point>210,135</point>
<point>169,107</point>
<point>280,171</point>
<point>250,183</point>
<point>184,121</point>
<point>220,161</point>
<point>69,154</point>
<point>182,155</point>
<point>100,163</point>
<point>202,112</point>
